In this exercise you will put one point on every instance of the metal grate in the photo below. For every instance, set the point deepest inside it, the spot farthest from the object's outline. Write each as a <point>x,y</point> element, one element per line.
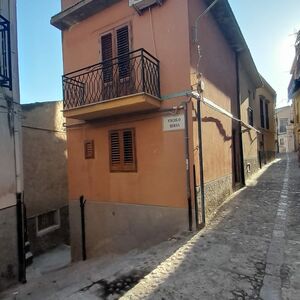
<point>129,73</point>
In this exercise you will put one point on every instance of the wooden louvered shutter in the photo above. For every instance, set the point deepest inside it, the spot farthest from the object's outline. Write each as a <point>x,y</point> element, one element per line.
<point>115,151</point>
<point>123,51</point>
<point>107,55</point>
<point>89,149</point>
<point>122,150</point>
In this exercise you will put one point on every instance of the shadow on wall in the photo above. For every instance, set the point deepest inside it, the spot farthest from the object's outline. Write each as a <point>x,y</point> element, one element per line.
<point>45,175</point>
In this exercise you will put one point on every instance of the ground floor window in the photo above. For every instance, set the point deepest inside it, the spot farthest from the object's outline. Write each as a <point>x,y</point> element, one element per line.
<point>122,150</point>
<point>47,222</point>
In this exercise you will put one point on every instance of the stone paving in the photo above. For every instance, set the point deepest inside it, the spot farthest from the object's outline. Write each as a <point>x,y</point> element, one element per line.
<point>250,250</point>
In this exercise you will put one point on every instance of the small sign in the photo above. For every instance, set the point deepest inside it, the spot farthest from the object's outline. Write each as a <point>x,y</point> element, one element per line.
<point>171,123</point>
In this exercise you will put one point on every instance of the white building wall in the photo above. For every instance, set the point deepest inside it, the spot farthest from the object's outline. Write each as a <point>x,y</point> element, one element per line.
<point>11,173</point>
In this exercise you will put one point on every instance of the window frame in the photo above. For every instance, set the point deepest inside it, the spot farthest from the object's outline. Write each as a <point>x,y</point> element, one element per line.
<point>43,231</point>
<point>122,166</point>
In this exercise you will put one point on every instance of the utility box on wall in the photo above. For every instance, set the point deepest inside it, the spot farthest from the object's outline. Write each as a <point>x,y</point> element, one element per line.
<point>139,5</point>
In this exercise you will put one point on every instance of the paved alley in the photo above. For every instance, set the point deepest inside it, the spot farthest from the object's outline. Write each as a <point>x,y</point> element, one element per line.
<point>251,250</point>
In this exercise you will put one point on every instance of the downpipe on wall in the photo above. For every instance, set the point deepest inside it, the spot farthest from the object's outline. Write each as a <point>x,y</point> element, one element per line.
<point>187,166</point>
<point>82,202</point>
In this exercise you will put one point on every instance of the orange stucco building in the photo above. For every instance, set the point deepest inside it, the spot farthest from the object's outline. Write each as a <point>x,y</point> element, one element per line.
<point>132,126</point>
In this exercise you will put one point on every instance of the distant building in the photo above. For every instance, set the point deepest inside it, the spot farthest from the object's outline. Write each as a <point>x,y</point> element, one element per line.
<point>285,129</point>
<point>12,257</point>
<point>45,175</point>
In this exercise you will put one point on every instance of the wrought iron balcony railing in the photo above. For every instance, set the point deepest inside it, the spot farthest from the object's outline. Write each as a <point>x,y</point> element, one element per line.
<point>131,73</point>
<point>5,54</point>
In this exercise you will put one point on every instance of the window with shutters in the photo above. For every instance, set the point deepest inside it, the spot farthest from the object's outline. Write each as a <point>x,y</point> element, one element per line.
<point>116,43</point>
<point>89,149</point>
<point>107,55</point>
<point>122,150</point>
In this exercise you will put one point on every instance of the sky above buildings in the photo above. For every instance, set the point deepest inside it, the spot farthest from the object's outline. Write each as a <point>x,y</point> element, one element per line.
<point>268,26</point>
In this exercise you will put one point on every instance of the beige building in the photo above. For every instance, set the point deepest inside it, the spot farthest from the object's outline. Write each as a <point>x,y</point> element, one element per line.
<point>265,120</point>
<point>12,258</point>
<point>285,129</point>
<point>45,175</point>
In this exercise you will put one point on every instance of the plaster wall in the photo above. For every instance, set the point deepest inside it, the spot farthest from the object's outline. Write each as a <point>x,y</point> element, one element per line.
<point>45,171</point>
<point>10,159</point>
<point>217,68</point>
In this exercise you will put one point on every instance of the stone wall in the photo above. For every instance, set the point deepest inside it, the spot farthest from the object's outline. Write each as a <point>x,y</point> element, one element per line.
<point>9,247</point>
<point>216,192</point>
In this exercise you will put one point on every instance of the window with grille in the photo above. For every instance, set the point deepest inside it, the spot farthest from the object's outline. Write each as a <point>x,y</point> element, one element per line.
<point>89,149</point>
<point>47,222</point>
<point>122,150</point>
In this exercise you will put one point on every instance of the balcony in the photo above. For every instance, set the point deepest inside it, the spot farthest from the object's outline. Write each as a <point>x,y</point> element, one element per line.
<point>126,84</point>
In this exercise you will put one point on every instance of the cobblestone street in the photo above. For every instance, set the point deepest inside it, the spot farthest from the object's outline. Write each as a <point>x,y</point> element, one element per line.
<point>250,250</point>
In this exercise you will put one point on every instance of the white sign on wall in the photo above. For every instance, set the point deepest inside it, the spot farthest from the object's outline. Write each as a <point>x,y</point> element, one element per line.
<point>171,123</point>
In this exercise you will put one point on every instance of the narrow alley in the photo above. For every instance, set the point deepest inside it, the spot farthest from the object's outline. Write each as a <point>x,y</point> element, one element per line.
<point>250,250</point>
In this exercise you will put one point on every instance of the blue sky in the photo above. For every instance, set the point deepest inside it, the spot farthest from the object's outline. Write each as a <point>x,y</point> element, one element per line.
<point>267,25</point>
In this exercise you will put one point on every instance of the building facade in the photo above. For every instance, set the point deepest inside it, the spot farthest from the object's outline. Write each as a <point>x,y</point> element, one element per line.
<point>11,174</point>
<point>285,129</point>
<point>45,175</point>
<point>153,144</point>
<point>294,92</point>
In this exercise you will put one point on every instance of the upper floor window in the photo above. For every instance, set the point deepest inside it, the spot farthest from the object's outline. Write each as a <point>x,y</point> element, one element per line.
<point>283,122</point>
<point>264,113</point>
<point>115,43</point>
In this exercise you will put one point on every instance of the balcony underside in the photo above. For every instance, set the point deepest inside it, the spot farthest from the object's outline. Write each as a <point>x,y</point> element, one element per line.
<point>79,12</point>
<point>119,106</point>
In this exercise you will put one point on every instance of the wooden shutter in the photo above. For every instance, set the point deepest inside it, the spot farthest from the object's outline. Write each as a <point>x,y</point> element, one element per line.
<point>89,149</point>
<point>115,151</point>
<point>123,51</point>
<point>107,55</point>
<point>122,150</point>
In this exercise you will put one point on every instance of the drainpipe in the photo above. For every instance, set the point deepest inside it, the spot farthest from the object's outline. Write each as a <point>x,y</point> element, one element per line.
<point>21,242</point>
<point>187,166</point>
<point>201,165</point>
<point>239,117</point>
<point>82,208</point>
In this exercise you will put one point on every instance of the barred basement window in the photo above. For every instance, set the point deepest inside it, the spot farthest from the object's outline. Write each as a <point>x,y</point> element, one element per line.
<point>122,150</point>
<point>47,222</point>
<point>89,149</point>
